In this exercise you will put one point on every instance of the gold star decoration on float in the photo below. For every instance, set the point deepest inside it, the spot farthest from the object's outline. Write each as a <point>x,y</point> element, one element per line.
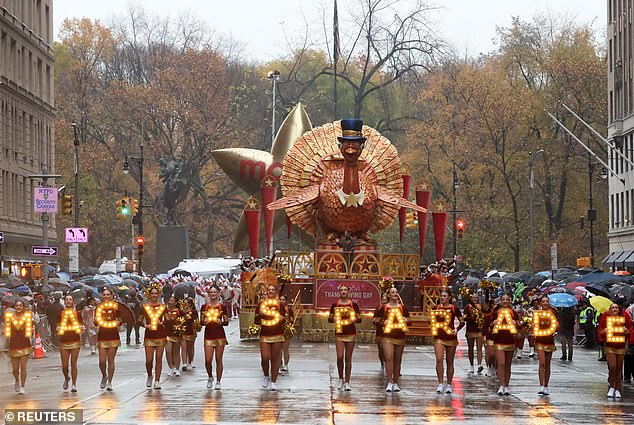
<point>247,167</point>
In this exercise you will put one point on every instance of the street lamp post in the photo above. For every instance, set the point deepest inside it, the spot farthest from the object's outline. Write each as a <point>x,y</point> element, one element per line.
<point>274,76</point>
<point>76,200</point>
<point>456,185</point>
<point>139,216</point>
<point>531,184</point>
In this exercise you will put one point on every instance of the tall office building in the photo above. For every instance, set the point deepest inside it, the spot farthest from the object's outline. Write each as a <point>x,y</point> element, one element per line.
<point>27,112</point>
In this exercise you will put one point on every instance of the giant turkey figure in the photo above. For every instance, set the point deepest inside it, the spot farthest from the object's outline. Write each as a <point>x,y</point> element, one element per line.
<point>351,186</point>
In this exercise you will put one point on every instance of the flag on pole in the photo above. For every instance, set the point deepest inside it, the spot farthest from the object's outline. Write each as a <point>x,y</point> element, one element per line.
<point>336,52</point>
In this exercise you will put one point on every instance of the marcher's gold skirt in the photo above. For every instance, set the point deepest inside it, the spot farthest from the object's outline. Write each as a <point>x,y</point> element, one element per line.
<point>345,338</point>
<point>474,334</point>
<point>20,352</point>
<point>215,342</point>
<point>272,339</point>
<point>504,347</point>
<point>69,345</point>
<point>548,348</point>
<point>446,342</point>
<point>490,342</point>
<point>154,342</point>
<point>617,351</point>
<point>394,341</point>
<point>109,344</point>
<point>189,337</point>
<point>173,339</point>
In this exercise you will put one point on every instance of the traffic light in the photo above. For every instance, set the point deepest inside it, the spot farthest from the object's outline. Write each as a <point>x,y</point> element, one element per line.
<point>140,241</point>
<point>25,272</point>
<point>135,206</point>
<point>67,205</point>
<point>460,228</point>
<point>123,208</point>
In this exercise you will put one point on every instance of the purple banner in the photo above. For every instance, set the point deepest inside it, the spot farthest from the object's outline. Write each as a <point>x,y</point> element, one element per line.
<point>363,292</point>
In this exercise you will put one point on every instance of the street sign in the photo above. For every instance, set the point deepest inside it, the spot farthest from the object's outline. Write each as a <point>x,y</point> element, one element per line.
<point>73,257</point>
<point>553,257</point>
<point>44,251</point>
<point>76,234</point>
<point>1,237</point>
<point>45,199</point>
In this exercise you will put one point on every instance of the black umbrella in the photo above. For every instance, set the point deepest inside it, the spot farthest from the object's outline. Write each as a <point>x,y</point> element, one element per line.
<point>471,282</point>
<point>181,272</point>
<point>183,288</point>
<point>88,271</point>
<point>598,289</point>
<point>536,280</point>
<point>622,291</point>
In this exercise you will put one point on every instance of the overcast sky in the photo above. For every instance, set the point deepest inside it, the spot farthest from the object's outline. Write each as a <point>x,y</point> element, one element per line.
<point>263,25</point>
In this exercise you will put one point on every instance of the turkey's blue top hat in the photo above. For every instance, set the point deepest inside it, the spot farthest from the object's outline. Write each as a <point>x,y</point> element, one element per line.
<point>351,130</point>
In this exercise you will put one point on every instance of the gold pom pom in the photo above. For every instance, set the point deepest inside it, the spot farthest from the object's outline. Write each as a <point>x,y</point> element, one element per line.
<point>254,330</point>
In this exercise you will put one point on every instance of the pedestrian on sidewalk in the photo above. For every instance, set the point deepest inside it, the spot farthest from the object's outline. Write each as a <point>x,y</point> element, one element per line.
<point>215,317</point>
<point>154,338</point>
<point>394,321</point>
<point>19,329</point>
<point>446,341</point>
<point>345,314</point>
<point>69,330</point>
<point>566,317</point>
<point>108,318</point>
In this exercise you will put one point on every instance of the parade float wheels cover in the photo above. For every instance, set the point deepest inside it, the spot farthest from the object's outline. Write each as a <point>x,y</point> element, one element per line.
<point>313,176</point>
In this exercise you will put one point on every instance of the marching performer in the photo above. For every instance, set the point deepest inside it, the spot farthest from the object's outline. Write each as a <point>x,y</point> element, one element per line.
<point>154,339</point>
<point>18,327</point>
<point>378,314</point>
<point>69,329</point>
<point>504,330</point>
<point>108,318</point>
<point>474,318</point>
<point>173,329</point>
<point>487,337</point>
<point>214,316</point>
<point>394,321</point>
<point>270,315</point>
<point>288,336</point>
<point>344,314</point>
<point>446,340</point>
<point>191,331</point>
<point>544,340</point>
<point>615,329</point>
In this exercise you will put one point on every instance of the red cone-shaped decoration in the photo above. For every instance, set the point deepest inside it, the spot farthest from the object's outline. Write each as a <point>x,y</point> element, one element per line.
<point>252,217</point>
<point>423,199</point>
<point>268,190</point>
<point>439,216</point>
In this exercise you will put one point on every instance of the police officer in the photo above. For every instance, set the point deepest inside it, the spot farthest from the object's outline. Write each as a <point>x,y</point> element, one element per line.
<point>587,319</point>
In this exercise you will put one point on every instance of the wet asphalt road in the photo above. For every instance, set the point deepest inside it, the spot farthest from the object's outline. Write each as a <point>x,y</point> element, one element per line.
<point>306,396</point>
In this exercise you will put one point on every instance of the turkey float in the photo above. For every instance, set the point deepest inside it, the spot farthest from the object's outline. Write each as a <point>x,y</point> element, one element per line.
<point>342,179</point>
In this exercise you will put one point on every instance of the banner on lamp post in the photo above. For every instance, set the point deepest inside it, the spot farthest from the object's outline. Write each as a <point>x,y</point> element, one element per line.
<point>268,190</point>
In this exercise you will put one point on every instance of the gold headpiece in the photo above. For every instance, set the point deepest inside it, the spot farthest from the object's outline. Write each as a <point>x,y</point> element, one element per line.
<point>153,285</point>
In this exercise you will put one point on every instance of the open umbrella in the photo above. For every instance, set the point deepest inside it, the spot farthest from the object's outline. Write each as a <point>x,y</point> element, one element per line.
<point>184,288</point>
<point>598,289</point>
<point>181,272</point>
<point>622,291</point>
<point>600,304</point>
<point>621,273</point>
<point>537,280</point>
<point>562,300</point>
